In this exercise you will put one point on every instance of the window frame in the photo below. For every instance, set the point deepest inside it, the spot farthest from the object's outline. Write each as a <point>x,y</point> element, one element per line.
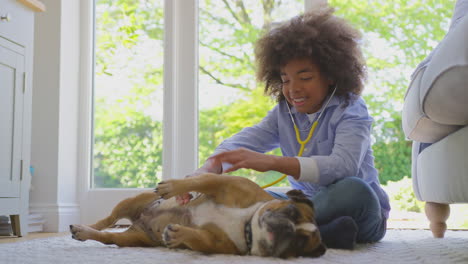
<point>180,104</point>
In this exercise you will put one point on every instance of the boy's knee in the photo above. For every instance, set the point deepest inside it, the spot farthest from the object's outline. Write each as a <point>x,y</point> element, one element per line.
<point>353,182</point>
<point>356,187</point>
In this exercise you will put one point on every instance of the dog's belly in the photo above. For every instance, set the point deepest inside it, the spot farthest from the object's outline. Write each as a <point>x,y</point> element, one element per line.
<point>230,220</point>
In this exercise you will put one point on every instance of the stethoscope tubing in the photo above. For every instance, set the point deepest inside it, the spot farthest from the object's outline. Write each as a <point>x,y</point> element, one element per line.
<point>298,135</point>
<point>320,115</point>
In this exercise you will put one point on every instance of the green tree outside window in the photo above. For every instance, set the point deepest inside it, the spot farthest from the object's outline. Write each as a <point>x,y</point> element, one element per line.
<point>128,129</point>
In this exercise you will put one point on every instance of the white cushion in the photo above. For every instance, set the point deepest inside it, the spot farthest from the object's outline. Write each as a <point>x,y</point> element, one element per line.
<point>442,170</point>
<point>416,125</point>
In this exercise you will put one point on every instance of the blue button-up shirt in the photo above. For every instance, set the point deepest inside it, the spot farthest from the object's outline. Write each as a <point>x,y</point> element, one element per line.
<point>340,146</point>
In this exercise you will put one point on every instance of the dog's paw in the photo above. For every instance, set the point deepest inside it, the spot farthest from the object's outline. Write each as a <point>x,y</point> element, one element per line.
<point>166,189</point>
<point>172,235</point>
<point>80,232</point>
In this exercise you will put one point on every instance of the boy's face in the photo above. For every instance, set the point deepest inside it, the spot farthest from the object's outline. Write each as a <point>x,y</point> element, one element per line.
<point>304,86</point>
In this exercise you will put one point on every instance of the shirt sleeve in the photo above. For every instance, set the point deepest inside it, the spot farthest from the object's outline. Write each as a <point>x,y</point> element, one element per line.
<point>350,147</point>
<point>309,170</point>
<point>262,137</point>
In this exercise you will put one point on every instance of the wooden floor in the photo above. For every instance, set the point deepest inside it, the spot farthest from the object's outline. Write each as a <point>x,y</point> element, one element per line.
<point>30,236</point>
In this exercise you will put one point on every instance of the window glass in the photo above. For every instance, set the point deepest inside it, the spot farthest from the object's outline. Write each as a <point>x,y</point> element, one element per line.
<point>392,51</point>
<point>229,97</point>
<point>128,81</point>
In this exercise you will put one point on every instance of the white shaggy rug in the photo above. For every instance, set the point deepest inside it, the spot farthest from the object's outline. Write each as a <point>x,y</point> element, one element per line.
<point>399,246</point>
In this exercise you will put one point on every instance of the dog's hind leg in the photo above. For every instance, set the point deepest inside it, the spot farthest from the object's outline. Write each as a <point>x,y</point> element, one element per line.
<point>130,208</point>
<point>132,237</point>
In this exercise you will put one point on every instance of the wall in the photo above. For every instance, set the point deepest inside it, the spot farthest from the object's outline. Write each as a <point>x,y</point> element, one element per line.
<point>55,115</point>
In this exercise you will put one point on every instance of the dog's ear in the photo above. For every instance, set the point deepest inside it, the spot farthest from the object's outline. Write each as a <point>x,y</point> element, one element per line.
<point>299,197</point>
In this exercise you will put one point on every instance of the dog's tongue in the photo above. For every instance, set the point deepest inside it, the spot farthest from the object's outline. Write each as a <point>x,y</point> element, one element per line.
<point>271,236</point>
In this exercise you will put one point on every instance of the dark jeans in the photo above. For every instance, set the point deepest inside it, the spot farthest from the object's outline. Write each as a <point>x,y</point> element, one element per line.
<point>349,197</point>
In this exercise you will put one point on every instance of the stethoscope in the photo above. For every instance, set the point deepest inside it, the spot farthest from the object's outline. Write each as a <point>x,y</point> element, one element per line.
<point>298,135</point>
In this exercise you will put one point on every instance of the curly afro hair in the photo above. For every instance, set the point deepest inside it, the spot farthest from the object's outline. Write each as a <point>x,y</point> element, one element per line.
<point>329,41</point>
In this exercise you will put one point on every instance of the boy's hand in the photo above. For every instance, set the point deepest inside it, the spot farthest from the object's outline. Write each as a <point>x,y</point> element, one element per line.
<point>243,158</point>
<point>184,198</point>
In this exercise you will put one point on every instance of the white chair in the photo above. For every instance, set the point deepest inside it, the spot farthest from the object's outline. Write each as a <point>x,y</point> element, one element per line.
<point>435,117</point>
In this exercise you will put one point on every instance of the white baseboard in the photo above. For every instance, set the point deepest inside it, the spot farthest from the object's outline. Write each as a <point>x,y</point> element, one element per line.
<point>57,217</point>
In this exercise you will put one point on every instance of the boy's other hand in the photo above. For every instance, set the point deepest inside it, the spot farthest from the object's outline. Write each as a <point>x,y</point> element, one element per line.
<point>183,198</point>
<point>243,158</point>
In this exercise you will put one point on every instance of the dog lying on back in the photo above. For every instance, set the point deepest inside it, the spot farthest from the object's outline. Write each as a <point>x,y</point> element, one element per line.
<point>233,215</point>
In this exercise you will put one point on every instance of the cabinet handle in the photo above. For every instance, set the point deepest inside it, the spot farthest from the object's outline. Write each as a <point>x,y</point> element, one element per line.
<point>24,82</point>
<point>5,18</point>
<point>21,170</point>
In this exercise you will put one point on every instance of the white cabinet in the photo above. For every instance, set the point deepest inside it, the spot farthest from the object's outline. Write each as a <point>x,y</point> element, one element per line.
<point>16,54</point>
<point>11,117</point>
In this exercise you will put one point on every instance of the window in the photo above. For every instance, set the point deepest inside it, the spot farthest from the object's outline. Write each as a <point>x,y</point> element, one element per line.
<point>128,92</point>
<point>128,82</point>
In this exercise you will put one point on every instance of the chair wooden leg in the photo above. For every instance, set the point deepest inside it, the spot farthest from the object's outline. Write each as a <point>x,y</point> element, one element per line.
<point>437,214</point>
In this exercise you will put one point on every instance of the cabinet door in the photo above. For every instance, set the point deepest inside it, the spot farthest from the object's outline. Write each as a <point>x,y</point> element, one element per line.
<point>11,120</point>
